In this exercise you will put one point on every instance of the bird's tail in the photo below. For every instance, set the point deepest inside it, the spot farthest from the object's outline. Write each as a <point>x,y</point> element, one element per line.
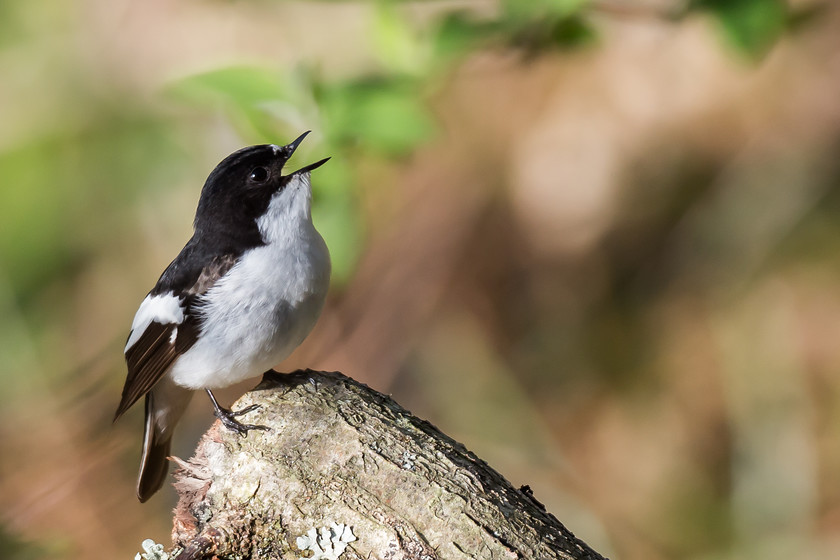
<point>165,404</point>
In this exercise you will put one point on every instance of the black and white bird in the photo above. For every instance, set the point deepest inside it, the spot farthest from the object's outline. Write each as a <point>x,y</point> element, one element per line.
<point>244,292</point>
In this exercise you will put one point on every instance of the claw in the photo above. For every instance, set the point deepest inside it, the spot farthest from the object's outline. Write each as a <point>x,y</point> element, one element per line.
<point>245,410</point>
<point>228,417</point>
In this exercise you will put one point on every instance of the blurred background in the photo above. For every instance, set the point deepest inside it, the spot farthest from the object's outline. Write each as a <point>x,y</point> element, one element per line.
<point>597,242</point>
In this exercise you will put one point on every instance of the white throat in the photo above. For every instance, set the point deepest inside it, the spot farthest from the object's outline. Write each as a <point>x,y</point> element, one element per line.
<point>287,211</point>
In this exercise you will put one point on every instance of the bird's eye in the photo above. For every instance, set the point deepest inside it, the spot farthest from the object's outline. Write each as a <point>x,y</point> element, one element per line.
<point>259,175</point>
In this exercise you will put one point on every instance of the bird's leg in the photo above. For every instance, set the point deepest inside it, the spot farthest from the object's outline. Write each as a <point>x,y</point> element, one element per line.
<point>228,417</point>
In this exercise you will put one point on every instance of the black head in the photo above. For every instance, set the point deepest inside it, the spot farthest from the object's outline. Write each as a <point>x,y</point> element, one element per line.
<point>239,189</point>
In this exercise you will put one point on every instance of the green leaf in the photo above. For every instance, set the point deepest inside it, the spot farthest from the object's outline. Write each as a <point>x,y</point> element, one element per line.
<point>552,32</point>
<point>751,26</point>
<point>572,31</point>
<point>399,47</point>
<point>238,84</point>
<point>383,115</point>
<point>263,103</point>
<point>338,222</point>
<point>335,212</point>
<point>520,11</point>
<point>457,33</point>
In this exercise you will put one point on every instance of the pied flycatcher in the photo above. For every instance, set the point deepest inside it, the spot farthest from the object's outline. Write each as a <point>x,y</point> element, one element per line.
<point>243,293</point>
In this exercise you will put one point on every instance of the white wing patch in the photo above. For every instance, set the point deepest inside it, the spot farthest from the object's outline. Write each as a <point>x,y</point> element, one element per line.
<point>163,308</point>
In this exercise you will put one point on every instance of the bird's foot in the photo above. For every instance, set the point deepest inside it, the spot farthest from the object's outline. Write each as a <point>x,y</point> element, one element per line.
<point>228,417</point>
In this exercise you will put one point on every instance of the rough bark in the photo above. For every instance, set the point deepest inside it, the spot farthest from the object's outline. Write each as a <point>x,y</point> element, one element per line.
<point>340,453</point>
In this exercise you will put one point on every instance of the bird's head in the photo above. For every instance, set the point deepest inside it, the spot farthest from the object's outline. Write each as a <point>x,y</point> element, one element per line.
<point>240,189</point>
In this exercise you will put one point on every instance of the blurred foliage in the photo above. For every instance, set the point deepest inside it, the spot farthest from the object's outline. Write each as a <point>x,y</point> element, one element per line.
<point>55,182</point>
<point>754,26</point>
<point>381,113</point>
<point>14,548</point>
<point>58,176</point>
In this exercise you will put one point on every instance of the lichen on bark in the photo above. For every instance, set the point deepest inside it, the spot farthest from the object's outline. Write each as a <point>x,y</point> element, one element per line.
<point>338,452</point>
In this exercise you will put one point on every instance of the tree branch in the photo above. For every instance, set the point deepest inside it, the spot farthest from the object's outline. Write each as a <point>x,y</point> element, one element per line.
<point>345,471</point>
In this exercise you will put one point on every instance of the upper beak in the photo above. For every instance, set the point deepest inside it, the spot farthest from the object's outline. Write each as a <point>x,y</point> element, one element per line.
<point>289,149</point>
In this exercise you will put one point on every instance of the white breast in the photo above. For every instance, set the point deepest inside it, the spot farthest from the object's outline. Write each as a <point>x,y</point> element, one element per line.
<point>266,304</point>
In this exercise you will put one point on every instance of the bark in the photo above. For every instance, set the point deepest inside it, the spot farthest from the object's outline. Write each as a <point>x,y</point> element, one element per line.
<point>362,472</point>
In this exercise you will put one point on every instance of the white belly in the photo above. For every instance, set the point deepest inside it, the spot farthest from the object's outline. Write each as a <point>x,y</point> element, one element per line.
<point>256,315</point>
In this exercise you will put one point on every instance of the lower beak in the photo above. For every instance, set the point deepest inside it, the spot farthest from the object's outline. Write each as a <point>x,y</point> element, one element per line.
<point>311,166</point>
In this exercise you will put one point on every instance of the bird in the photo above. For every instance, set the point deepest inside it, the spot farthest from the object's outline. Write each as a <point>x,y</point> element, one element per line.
<point>242,294</point>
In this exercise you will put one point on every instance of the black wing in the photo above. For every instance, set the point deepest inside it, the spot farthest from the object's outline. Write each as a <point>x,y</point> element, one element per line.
<point>165,325</point>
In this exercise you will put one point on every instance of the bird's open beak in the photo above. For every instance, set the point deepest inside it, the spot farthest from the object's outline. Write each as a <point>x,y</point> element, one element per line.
<point>289,149</point>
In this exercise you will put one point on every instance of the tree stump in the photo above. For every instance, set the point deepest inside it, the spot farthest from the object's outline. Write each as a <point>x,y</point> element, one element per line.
<point>345,472</point>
